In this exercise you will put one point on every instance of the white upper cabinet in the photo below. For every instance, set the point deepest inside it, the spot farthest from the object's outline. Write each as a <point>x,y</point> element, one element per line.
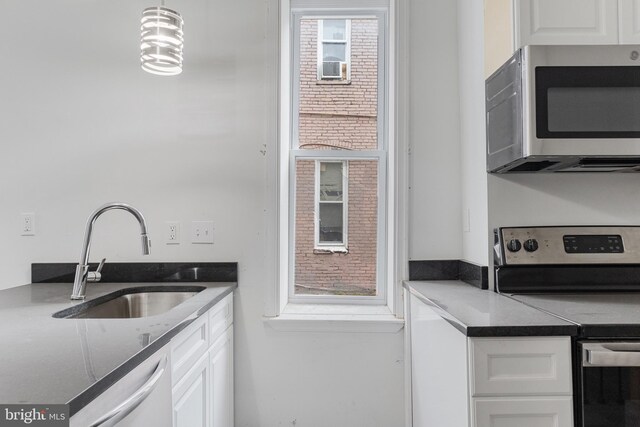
<point>542,22</point>
<point>629,11</point>
<point>511,24</point>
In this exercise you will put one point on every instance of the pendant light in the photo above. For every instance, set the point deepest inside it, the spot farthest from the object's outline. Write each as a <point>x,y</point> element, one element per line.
<point>161,40</point>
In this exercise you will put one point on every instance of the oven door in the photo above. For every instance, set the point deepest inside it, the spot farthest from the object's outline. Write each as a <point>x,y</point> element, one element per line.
<point>610,382</point>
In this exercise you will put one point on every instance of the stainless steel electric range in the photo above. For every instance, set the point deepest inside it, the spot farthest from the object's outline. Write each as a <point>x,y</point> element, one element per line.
<point>588,275</point>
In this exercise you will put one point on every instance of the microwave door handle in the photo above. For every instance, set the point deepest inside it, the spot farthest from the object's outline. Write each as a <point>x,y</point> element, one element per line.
<point>603,357</point>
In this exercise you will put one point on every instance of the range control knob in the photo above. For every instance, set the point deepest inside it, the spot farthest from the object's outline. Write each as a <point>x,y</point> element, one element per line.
<point>531,245</point>
<point>514,245</point>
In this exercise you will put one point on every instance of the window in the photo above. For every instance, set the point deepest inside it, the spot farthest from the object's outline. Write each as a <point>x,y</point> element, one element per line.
<point>334,44</point>
<point>372,143</point>
<point>331,208</point>
<point>337,168</point>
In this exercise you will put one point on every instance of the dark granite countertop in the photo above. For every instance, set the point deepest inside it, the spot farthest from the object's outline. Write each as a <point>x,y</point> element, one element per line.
<point>482,313</point>
<point>49,361</point>
<point>599,314</point>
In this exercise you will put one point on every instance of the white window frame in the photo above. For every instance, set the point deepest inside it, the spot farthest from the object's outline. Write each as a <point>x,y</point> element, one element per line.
<point>332,246</point>
<point>279,313</point>
<point>380,154</point>
<point>346,42</point>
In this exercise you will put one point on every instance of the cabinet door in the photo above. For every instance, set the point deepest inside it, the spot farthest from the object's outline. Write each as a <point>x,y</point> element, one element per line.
<point>525,412</point>
<point>566,22</point>
<point>629,21</point>
<point>221,357</point>
<point>191,396</point>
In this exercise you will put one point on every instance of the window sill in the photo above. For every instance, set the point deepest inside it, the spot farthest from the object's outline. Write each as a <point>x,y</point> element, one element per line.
<point>333,82</point>
<point>335,318</point>
<point>330,250</point>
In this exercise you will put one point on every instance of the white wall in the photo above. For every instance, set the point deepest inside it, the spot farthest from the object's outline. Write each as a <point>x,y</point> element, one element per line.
<point>81,124</point>
<point>472,132</point>
<point>435,220</point>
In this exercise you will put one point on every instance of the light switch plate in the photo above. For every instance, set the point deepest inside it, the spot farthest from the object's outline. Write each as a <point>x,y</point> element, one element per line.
<point>202,232</point>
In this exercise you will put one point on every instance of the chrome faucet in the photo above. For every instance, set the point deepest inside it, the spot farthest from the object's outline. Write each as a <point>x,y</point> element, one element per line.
<point>83,275</point>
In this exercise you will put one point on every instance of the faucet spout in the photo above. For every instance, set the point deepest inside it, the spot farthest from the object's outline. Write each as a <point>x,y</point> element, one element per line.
<point>146,244</point>
<point>82,270</point>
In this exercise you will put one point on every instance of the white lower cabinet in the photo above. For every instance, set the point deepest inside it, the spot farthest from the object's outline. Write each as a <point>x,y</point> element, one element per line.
<point>203,370</point>
<point>221,372</point>
<point>204,396</point>
<point>191,396</point>
<point>522,412</point>
<point>518,366</point>
<point>459,381</point>
<point>188,383</point>
<point>439,390</point>
<point>520,381</point>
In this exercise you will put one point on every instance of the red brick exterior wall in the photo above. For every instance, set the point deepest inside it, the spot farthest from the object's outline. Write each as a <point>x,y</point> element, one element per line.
<point>335,115</point>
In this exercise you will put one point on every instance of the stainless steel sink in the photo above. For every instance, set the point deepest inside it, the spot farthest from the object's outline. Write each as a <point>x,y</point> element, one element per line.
<point>131,303</point>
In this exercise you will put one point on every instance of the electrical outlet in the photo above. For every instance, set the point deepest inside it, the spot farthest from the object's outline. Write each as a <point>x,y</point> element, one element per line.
<point>172,233</point>
<point>202,232</point>
<point>28,224</point>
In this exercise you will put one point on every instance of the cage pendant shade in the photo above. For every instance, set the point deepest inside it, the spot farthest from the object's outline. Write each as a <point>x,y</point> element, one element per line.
<point>161,41</point>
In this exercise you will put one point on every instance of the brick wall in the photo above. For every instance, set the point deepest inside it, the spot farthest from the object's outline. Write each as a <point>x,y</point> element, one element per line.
<point>339,115</point>
<point>333,113</point>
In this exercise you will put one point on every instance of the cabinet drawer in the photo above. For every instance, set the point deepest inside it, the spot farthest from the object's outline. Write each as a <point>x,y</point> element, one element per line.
<point>188,346</point>
<point>220,317</point>
<point>523,412</point>
<point>520,366</point>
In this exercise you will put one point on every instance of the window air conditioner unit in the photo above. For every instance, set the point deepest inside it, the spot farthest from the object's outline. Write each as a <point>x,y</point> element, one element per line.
<point>334,70</point>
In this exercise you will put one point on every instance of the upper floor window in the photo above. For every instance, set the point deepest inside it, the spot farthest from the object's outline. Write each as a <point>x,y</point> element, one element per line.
<point>334,49</point>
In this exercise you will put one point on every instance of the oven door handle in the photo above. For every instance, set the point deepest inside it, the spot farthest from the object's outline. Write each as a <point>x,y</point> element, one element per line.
<point>622,354</point>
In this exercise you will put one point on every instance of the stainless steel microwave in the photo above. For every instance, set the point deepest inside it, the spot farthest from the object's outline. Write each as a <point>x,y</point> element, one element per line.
<point>565,109</point>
